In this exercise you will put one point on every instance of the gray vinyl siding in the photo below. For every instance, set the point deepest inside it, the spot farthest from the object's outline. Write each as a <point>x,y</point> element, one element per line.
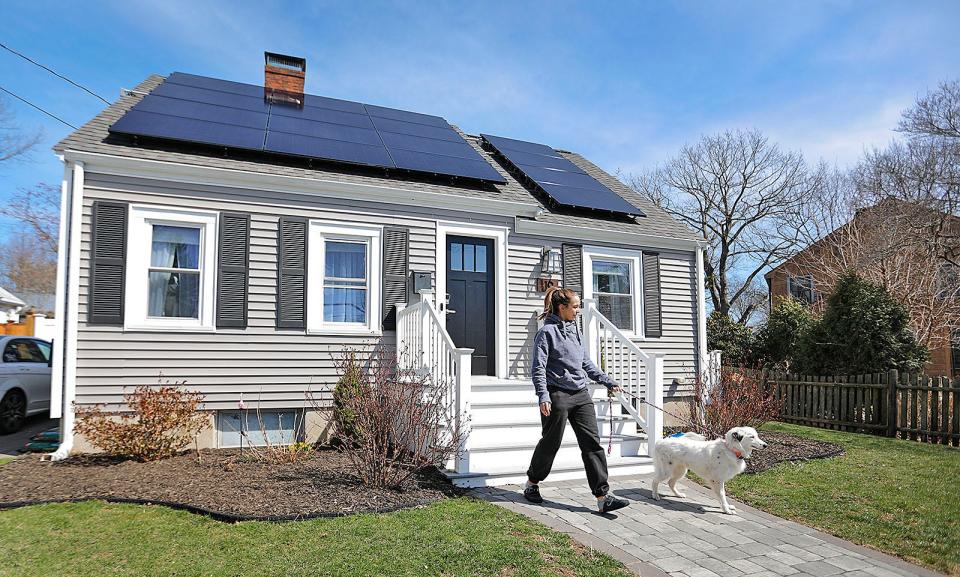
<point>276,367</point>
<point>678,285</point>
<point>272,367</point>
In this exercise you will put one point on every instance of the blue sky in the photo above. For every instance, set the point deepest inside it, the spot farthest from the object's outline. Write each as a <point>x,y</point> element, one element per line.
<point>625,84</point>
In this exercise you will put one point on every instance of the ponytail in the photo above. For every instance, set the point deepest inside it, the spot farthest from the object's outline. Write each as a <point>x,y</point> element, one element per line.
<point>555,297</point>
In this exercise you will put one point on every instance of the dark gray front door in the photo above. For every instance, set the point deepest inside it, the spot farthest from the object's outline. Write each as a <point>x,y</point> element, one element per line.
<point>470,284</point>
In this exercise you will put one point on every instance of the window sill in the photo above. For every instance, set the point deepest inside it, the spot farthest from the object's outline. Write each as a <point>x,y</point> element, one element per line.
<point>345,331</point>
<point>169,329</point>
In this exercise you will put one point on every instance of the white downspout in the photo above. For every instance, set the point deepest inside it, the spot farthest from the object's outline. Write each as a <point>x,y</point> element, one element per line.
<point>701,316</point>
<point>56,371</point>
<point>71,316</point>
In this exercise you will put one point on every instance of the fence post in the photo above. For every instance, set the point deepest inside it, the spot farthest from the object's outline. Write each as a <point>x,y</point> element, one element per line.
<point>893,377</point>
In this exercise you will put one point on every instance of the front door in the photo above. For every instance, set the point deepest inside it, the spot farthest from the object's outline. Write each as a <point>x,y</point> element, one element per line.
<point>470,311</point>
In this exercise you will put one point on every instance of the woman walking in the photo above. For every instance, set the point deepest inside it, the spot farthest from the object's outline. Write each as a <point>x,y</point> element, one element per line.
<point>561,372</point>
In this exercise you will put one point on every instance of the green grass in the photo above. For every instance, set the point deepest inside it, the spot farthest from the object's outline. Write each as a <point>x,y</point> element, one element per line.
<point>452,537</point>
<point>5,460</point>
<point>901,497</point>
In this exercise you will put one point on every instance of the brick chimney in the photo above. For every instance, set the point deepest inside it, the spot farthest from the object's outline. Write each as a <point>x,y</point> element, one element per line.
<point>283,78</point>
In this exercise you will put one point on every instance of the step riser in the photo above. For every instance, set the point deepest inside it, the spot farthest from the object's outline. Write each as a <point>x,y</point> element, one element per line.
<point>518,460</point>
<point>525,413</point>
<point>523,392</point>
<point>494,436</point>
<point>519,478</point>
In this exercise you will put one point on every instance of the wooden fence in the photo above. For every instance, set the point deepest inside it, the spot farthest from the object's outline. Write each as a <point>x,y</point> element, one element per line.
<point>910,406</point>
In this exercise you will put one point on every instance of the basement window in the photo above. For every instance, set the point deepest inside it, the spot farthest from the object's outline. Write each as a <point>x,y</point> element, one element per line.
<point>258,428</point>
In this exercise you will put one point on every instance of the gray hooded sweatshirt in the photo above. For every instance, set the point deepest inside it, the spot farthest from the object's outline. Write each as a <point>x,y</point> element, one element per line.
<point>560,360</point>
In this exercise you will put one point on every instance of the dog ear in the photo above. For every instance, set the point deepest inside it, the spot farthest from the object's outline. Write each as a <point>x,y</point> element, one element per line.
<point>738,437</point>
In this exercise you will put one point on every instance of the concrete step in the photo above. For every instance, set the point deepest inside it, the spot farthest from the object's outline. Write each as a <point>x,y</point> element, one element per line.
<point>506,457</point>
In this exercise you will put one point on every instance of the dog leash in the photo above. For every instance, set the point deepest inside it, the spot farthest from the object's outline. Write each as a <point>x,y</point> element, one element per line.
<point>661,409</point>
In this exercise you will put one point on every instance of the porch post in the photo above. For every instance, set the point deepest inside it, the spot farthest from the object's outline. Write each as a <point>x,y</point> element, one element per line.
<point>654,398</point>
<point>462,418</point>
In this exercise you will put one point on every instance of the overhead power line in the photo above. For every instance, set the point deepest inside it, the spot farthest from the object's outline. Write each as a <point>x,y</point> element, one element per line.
<point>50,114</point>
<point>57,74</point>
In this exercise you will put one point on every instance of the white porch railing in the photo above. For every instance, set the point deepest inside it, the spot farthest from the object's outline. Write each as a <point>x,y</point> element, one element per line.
<point>637,372</point>
<point>425,346</point>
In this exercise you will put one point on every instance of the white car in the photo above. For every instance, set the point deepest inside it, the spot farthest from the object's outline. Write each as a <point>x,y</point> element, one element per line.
<point>24,380</point>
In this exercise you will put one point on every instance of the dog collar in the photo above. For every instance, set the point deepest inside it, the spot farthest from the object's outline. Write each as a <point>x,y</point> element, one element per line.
<point>736,453</point>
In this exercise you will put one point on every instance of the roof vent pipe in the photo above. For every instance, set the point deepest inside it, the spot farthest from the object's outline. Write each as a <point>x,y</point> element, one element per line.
<point>283,78</point>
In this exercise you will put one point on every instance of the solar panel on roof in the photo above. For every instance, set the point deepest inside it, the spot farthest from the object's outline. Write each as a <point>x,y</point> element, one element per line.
<point>563,181</point>
<point>197,109</point>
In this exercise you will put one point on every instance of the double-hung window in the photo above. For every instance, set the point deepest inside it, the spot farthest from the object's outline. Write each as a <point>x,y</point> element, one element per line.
<point>801,288</point>
<point>612,280</point>
<point>344,278</point>
<point>170,269</point>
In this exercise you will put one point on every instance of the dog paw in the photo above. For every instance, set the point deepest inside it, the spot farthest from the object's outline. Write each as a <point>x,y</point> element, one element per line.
<point>730,511</point>
<point>656,496</point>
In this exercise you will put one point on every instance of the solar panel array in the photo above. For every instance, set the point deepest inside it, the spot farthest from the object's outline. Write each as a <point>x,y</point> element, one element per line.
<point>205,110</point>
<point>561,180</point>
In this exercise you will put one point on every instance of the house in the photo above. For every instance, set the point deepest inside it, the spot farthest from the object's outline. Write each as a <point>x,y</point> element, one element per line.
<point>242,259</point>
<point>879,242</point>
<point>10,306</point>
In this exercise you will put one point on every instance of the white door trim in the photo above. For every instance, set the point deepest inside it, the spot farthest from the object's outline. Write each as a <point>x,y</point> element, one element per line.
<point>499,236</point>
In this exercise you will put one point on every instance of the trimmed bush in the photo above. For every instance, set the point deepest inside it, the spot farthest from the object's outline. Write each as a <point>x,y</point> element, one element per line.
<point>348,388</point>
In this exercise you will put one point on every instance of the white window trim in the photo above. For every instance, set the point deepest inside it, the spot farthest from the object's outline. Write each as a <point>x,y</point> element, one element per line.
<point>499,236</point>
<point>139,247</point>
<point>370,235</point>
<point>634,258</point>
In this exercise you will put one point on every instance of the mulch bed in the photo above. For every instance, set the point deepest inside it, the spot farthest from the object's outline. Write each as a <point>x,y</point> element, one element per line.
<point>782,448</point>
<point>225,485</point>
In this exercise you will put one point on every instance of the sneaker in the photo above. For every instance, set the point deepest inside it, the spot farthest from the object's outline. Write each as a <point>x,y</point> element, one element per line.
<point>532,493</point>
<point>611,503</point>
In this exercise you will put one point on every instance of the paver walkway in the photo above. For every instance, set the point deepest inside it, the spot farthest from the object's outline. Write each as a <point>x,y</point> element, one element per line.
<point>692,538</point>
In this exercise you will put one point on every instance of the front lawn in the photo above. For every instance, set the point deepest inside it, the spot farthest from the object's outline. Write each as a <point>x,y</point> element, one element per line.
<point>452,537</point>
<point>901,497</point>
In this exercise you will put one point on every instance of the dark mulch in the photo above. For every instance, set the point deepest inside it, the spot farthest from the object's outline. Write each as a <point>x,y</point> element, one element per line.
<point>226,485</point>
<point>782,448</point>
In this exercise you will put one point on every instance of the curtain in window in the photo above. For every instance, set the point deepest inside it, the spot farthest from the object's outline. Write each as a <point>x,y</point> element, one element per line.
<point>345,282</point>
<point>174,293</point>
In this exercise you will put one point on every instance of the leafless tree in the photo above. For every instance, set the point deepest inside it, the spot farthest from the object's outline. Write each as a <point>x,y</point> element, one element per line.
<point>14,141</point>
<point>26,266</point>
<point>38,209</point>
<point>743,194</point>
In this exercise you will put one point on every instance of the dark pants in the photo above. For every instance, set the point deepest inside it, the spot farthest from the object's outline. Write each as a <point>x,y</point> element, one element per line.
<point>578,408</point>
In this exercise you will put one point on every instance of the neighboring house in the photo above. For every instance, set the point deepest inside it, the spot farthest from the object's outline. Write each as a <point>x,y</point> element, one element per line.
<point>10,306</point>
<point>244,272</point>
<point>801,276</point>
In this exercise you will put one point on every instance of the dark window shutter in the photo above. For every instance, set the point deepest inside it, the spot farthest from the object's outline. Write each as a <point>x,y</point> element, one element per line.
<point>107,263</point>
<point>396,268</point>
<point>652,312</point>
<point>292,273</point>
<point>233,270</point>
<point>573,267</point>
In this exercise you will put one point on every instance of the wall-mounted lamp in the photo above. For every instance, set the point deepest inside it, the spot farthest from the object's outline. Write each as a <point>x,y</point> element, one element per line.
<point>551,264</point>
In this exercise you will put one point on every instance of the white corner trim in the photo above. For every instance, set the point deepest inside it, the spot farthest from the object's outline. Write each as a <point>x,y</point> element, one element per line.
<point>499,236</point>
<point>314,187</point>
<point>318,232</point>
<point>584,234</point>
<point>136,285</point>
<point>71,315</point>
<point>635,259</point>
<point>701,314</point>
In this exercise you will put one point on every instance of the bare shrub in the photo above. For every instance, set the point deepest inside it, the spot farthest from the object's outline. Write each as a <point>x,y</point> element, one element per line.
<point>402,422</point>
<point>276,451</point>
<point>739,398</point>
<point>162,421</point>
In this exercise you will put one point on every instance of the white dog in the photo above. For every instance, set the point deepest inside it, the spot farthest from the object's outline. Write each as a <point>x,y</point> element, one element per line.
<point>715,461</point>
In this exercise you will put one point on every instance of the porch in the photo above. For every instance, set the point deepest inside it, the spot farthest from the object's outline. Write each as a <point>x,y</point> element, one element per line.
<point>499,417</point>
